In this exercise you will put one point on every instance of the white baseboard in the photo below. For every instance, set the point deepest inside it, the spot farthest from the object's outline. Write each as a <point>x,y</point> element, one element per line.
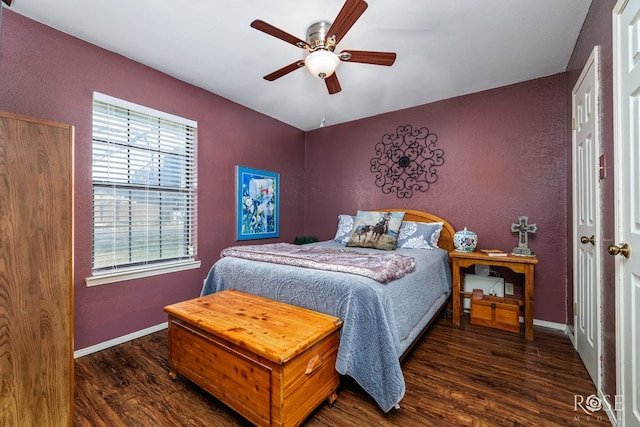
<point>111,343</point>
<point>546,324</point>
<point>551,325</point>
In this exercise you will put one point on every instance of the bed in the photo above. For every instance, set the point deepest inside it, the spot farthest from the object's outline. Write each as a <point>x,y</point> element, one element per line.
<point>382,321</point>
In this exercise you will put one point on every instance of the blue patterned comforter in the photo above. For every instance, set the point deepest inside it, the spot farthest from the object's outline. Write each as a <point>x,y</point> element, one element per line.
<point>380,320</point>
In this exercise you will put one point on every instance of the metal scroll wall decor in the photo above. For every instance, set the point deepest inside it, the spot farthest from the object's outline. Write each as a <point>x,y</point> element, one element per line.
<point>407,161</point>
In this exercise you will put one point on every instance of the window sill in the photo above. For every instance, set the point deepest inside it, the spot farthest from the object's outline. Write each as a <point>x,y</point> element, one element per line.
<point>139,273</point>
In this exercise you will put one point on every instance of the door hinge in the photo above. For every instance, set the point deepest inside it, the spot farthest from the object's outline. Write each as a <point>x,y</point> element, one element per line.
<point>575,308</point>
<point>573,123</point>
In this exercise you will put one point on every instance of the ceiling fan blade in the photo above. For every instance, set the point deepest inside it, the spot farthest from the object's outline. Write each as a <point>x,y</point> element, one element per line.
<point>367,57</point>
<point>333,85</point>
<point>284,70</point>
<point>278,33</point>
<point>348,15</point>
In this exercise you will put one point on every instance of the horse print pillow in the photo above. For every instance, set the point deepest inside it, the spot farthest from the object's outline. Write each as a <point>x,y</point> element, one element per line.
<point>377,230</point>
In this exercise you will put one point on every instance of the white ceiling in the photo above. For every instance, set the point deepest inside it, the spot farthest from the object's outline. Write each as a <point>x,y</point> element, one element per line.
<point>445,48</point>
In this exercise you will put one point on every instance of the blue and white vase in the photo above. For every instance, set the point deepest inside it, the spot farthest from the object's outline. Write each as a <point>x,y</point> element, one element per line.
<point>465,240</point>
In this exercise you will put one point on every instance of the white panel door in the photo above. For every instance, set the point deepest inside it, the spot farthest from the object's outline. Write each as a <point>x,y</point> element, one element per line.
<point>626,35</point>
<point>586,208</point>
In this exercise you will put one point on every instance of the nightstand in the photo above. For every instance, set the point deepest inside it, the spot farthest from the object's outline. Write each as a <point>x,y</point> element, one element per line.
<point>519,264</point>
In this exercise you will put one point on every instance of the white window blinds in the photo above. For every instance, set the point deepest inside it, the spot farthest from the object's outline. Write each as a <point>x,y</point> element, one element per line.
<point>144,186</point>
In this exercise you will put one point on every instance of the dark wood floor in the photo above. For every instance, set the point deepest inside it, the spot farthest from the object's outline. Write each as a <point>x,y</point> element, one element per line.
<point>455,376</point>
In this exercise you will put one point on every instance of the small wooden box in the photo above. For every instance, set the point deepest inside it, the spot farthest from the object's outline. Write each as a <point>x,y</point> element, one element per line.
<point>496,312</point>
<point>271,362</point>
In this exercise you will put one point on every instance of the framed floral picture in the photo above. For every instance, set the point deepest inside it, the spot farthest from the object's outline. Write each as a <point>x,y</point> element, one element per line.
<point>258,203</point>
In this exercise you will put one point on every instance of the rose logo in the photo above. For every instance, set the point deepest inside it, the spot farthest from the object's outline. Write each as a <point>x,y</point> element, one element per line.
<point>593,403</point>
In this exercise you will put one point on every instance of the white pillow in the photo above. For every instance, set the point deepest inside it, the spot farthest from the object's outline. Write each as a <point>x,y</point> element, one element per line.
<point>345,225</point>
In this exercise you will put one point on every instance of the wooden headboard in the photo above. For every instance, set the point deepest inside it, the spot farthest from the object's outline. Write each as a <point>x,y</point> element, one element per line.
<point>446,235</point>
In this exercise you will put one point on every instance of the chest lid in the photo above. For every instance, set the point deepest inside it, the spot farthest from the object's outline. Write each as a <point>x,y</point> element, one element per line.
<point>274,330</point>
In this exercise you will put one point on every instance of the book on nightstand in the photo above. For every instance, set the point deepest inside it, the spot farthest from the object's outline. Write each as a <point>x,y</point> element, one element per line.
<point>493,252</point>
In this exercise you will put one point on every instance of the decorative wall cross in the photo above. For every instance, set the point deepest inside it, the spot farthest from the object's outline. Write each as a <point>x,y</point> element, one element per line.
<point>523,228</point>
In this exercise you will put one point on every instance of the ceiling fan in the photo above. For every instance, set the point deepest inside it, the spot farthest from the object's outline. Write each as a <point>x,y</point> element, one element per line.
<point>322,38</point>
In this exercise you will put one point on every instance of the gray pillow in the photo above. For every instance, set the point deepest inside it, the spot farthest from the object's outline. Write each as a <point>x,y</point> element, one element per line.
<point>419,235</point>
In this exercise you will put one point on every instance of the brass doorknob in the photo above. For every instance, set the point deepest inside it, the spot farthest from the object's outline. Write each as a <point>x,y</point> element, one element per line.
<point>585,240</point>
<point>625,250</point>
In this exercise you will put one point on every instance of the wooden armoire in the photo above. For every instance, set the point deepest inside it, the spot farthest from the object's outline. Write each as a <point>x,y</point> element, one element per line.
<point>36,272</point>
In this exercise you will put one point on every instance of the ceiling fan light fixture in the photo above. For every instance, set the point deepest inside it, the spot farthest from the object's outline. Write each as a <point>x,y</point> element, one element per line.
<point>322,63</point>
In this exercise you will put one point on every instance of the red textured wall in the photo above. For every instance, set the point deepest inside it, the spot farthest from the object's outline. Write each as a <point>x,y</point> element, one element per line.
<point>50,75</point>
<point>504,153</point>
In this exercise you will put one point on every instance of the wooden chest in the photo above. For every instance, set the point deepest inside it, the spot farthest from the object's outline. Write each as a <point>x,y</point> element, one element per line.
<point>271,362</point>
<point>496,312</point>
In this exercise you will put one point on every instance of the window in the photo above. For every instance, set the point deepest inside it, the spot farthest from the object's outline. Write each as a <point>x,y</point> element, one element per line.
<point>144,191</point>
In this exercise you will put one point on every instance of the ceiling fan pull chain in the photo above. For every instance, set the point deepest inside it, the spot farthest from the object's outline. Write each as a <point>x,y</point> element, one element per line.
<point>323,119</point>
